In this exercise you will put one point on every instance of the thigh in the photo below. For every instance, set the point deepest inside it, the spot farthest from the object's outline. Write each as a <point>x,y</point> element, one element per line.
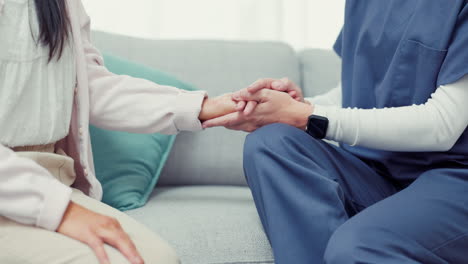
<point>301,162</point>
<point>28,244</point>
<point>425,223</point>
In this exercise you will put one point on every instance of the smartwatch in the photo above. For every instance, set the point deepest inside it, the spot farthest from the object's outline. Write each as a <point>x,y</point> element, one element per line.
<point>317,126</point>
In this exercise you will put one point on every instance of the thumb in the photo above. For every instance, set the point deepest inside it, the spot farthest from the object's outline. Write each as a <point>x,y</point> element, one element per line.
<point>241,106</point>
<point>225,120</point>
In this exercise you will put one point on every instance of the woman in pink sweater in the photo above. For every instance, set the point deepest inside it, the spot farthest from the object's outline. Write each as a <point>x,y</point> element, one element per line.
<point>52,86</point>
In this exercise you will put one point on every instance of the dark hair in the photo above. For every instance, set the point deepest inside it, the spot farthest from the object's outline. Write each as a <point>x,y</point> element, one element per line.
<point>54,25</point>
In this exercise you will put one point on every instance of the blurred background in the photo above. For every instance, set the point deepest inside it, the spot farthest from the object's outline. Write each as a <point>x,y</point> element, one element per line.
<point>300,23</point>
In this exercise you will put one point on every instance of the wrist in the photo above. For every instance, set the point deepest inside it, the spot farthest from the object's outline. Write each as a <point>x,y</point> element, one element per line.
<point>300,115</point>
<point>205,109</point>
<point>216,107</point>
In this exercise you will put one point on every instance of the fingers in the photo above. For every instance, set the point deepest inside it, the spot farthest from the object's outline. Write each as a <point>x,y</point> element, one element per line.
<point>250,107</point>
<point>113,235</point>
<point>295,96</point>
<point>121,241</point>
<point>282,85</point>
<point>234,121</point>
<point>241,106</point>
<point>236,96</point>
<point>279,86</point>
<point>226,121</point>
<point>246,95</point>
<point>260,84</point>
<point>98,247</point>
<point>286,81</point>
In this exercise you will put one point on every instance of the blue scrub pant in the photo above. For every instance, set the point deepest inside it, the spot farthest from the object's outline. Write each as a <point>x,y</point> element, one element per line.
<point>320,204</point>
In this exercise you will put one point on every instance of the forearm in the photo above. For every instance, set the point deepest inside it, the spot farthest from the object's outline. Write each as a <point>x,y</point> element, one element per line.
<point>135,105</point>
<point>29,194</point>
<point>434,126</point>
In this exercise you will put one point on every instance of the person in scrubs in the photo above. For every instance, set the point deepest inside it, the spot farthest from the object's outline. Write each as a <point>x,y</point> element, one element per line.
<point>396,190</point>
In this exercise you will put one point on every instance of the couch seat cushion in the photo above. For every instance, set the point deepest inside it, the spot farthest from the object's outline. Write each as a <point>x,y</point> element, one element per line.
<point>207,224</point>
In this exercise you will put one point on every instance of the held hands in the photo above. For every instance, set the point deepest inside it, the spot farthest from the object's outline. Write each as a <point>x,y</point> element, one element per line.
<point>95,230</point>
<point>265,102</point>
<point>282,85</point>
<point>216,107</point>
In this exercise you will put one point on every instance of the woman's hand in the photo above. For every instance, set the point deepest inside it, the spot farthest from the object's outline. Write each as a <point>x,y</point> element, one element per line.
<point>281,85</point>
<point>271,107</point>
<point>216,107</point>
<point>95,230</point>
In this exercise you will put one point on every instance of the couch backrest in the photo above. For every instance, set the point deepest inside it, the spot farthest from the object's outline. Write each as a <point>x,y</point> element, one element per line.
<point>213,156</point>
<point>320,71</point>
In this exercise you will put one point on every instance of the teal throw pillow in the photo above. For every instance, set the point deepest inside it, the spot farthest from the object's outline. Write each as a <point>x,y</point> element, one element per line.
<point>128,165</point>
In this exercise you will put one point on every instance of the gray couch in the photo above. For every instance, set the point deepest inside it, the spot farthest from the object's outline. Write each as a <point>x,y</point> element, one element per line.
<point>201,205</point>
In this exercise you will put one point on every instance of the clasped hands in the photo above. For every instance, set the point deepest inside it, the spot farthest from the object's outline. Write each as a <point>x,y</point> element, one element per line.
<point>265,102</point>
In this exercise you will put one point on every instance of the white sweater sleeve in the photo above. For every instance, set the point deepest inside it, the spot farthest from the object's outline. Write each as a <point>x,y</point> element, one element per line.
<point>119,102</point>
<point>332,97</point>
<point>433,126</point>
<point>29,194</point>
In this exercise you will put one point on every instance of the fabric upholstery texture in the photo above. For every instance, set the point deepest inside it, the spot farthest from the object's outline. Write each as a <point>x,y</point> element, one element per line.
<point>207,224</point>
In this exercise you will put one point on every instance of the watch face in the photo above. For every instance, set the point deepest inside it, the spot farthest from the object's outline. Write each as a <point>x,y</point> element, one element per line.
<point>317,126</point>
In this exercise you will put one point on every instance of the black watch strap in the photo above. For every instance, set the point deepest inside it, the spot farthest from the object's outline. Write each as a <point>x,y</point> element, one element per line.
<point>317,126</point>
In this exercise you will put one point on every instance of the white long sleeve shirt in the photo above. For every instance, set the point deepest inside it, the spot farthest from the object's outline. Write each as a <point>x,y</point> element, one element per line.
<point>36,96</point>
<point>433,126</point>
<point>29,194</point>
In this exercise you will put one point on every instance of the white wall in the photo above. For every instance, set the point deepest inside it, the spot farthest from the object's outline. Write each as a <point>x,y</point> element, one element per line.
<point>301,23</point>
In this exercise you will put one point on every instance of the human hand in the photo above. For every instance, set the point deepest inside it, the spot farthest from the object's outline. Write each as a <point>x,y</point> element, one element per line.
<point>271,107</point>
<point>95,230</point>
<point>282,85</point>
<point>216,107</point>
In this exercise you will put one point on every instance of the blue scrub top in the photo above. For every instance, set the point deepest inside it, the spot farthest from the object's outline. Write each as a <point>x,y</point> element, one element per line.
<point>396,53</point>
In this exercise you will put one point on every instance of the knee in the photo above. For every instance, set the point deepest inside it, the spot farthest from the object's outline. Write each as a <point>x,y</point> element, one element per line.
<point>344,246</point>
<point>358,243</point>
<point>264,143</point>
<point>275,145</point>
<point>270,138</point>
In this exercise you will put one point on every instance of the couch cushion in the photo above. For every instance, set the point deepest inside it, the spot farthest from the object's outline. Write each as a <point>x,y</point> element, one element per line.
<point>207,225</point>
<point>215,155</point>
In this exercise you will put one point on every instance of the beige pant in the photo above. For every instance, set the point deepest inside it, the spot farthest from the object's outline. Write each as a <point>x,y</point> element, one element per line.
<point>21,244</point>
